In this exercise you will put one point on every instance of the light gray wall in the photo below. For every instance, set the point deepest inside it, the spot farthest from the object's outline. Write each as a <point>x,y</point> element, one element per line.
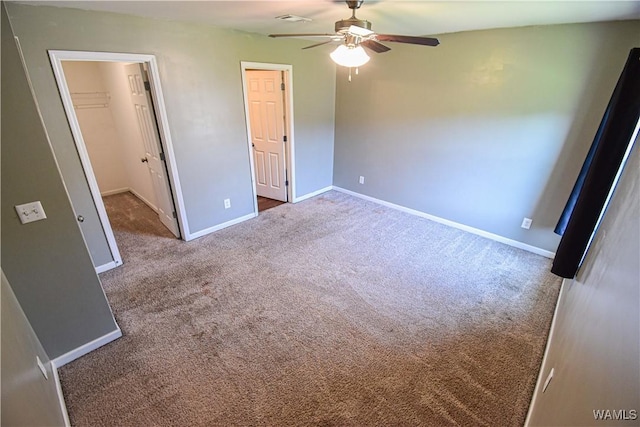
<point>485,129</point>
<point>595,346</point>
<point>201,79</point>
<point>28,399</point>
<point>46,262</point>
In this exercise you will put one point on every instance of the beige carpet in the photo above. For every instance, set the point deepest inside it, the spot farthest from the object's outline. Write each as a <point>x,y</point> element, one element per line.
<point>332,311</point>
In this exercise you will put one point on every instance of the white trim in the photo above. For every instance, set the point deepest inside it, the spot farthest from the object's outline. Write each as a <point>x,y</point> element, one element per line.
<point>290,147</point>
<point>86,348</point>
<point>223,225</point>
<point>543,365</point>
<point>56,63</point>
<point>165,137</point>
<point>63,406</point>
<point>106,267</point>
<point>78,55</point>
<point>290,144</point>
<point>313,194</point>
<point>56,58</point>
<point>116,191</point>
<point>453,224</point>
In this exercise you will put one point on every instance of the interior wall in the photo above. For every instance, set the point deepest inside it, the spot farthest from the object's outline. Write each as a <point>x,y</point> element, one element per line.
<point>595,344</point>
<point>97,125</point>
<point>124,116</point>
<point>485,129</point>
<point>46,262</point>
<point>28,398</point>
<point>202,83</point>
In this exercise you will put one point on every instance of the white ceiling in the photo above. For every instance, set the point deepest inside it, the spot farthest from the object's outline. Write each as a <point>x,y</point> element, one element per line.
<point>409,17</point>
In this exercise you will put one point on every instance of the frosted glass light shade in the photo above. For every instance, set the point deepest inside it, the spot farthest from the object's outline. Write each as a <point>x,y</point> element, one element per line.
<point>349,56</point>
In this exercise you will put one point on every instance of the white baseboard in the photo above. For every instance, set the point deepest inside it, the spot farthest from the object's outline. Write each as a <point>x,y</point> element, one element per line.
<point>453,224</point>
<point>543,365</point>
<point>145,201</point>
<point>312,194</point>
<point>104,267</point>
<point>86,348</point>
<point>219,227</point>
<point>112,192</point>
<point>63,406</point>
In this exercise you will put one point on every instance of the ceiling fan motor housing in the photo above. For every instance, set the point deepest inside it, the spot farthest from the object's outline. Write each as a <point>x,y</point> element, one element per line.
<point>344,24</point>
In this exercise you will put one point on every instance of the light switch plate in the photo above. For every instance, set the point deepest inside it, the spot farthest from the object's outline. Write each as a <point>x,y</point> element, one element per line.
<point>30,212</point>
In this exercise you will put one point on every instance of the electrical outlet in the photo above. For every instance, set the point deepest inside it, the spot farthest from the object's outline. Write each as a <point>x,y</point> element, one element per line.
<point>227,203</point>
<point>30,212</point>
<point>361,181</point>
<point>526,223</point>
<point>42,368</point>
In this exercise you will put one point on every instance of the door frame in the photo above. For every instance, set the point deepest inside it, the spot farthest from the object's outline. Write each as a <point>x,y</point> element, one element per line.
<point>56,57</point>
<point>289,145</point>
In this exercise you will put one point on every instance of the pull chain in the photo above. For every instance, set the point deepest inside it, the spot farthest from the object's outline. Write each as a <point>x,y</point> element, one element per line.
<point>357,72</point>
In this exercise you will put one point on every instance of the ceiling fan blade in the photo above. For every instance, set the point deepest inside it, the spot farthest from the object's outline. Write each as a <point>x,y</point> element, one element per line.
<point>303,35</point>
<point>317,44</point>
<point>375,46</point>
<point>425,41</point>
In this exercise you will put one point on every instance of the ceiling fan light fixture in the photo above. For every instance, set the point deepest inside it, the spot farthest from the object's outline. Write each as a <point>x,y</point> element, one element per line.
<point>349,56</point>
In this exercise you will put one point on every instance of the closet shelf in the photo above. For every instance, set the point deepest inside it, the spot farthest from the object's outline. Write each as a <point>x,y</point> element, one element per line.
<point>90,99</point>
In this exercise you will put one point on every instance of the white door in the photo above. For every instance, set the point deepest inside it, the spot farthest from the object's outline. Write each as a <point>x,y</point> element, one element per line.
<point>153,155</point>
<point>266,115</point>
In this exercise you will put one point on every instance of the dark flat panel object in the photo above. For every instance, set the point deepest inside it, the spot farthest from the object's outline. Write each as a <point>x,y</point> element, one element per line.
<point>317,44</point>
<point>375,46</point>
<point>425,41</point>
<point>611,143</point>
<point>302,35</point>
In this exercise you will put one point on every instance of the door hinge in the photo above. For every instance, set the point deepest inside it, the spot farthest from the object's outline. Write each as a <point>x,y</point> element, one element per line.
<point>175,215</point>
<point>162,157</point>
<point>281,86</point>
<point>284,138</point>
<point>286,183</point>
<point>147,86</point>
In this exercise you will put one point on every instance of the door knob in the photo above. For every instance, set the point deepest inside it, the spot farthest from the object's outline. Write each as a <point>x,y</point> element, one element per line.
<point>144,160</point>
<point>80,218</point>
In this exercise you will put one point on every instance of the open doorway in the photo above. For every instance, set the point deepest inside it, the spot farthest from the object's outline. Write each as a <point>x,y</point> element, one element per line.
<point>268,96</point>
<point>113,118</point>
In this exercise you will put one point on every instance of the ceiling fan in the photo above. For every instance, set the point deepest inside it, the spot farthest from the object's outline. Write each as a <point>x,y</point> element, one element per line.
<point>353,34</point>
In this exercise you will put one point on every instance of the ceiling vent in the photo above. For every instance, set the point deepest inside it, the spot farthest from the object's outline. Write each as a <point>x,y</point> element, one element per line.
<point>293,18</point>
